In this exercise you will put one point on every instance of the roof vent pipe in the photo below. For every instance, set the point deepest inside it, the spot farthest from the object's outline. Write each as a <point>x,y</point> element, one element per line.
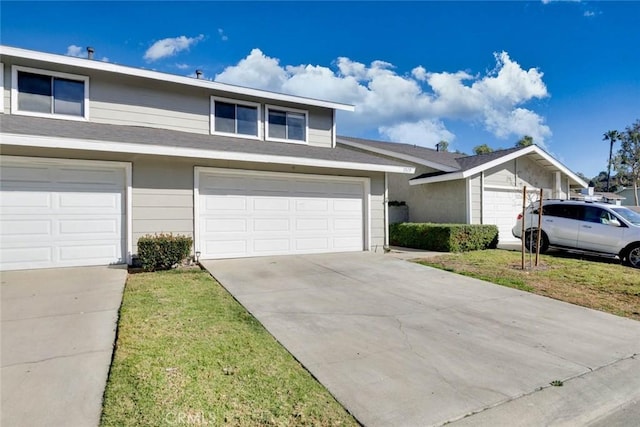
<point>198,74</point>
<point>90,52</point>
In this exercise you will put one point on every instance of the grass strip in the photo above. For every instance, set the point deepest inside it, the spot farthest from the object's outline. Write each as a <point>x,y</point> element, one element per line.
<point>188,354</point>
<point>598,283</point>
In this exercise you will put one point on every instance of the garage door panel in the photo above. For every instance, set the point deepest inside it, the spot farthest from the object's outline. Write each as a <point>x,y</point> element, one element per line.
<point>93,227</point>
<point>311,205</point>
<point>17,201</point>
<point>22,175</point>
<point>312,244</point>
<point>312,224</point>
<point>281,225</point>
<point>224,203</point>
<point>281,214</point>
<point>14,257</point>
<point>225,248</point>
<point>269,246</point>
<point>60,213</point>
<point>271,204</point>
<point>90,201</point>
<point>15,229</point>
<point>228,225</point>
<point>344,205</point>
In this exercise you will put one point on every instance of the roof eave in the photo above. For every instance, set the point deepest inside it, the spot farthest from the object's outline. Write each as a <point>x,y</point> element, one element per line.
<point>163,150</point>
<point>156,75</point>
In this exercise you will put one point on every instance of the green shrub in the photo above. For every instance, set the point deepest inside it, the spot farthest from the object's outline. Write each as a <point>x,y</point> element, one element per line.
<point>444,237</point>
<point>163,251</point>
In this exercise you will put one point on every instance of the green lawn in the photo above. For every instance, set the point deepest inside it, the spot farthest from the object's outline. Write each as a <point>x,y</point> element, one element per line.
<point>596,283</point>
<point>188,354</point>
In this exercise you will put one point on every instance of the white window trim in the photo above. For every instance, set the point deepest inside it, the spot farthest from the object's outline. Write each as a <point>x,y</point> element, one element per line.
<point>212,117</point>
<point>1,88</point>
<point>14,93</point>
<point>286,109</point>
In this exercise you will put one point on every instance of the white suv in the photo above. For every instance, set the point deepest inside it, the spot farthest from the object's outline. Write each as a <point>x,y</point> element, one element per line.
<point>585,226</point>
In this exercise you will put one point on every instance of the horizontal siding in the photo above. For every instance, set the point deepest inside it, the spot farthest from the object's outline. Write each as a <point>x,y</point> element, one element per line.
<point>476,199</point>
<point>503,175</point>
<point>377,213</point>
<point>320,127</point>
<point>134,101</point>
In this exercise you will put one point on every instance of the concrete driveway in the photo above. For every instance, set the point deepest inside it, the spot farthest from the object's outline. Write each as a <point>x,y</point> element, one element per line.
<point>58,330</point>
<point>405,345</point>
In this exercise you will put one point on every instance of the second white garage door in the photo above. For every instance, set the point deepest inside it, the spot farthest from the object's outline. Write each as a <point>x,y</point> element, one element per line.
<point>245,213</point>
<point>501,208</point>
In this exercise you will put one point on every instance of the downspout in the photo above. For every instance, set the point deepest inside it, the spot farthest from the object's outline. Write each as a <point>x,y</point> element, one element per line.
<point>386,212</point>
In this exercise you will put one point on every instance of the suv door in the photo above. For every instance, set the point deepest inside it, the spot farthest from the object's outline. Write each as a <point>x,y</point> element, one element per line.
<point>559,222</point>
<point>600,230</point>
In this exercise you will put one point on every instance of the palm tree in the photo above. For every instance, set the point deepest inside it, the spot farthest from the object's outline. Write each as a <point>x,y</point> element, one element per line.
<point>612,136</point>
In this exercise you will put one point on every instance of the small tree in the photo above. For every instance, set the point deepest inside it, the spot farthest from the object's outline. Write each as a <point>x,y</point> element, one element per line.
<point>525,141</point>
<point>612,136</point>
<point>482,149</point>
<point>442,146</point>
<point>628,158</point>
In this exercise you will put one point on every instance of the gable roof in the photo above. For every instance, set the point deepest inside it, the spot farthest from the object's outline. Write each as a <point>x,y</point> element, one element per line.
<point>441,160</point>
<point>452,166</point>
<point>71,134</point>
<point>472,165</point>
<point>92,64</point>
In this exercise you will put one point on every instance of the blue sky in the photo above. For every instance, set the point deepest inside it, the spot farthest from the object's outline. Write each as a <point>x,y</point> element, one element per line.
<point>469,72</point>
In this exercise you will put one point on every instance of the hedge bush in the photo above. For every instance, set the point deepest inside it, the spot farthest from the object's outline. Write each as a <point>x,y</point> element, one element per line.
<point>443,237</point>
<point>163,251</point>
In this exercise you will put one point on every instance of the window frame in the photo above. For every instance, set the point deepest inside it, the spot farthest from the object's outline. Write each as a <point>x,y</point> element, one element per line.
<point>269,107</point>
<point>212,117</point>
<point>2,87</point>
<point>55,74</point>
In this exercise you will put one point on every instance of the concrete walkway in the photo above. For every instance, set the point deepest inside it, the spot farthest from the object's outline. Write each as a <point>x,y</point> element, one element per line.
<point>58,330</point>
<point>405,345</point>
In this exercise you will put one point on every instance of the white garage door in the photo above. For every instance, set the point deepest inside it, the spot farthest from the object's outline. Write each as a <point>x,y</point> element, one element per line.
<point>243,214</point>
<point>61,213</point>
<point>501,208</point>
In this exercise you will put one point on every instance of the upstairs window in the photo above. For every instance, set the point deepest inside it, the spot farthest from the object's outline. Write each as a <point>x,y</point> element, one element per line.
<point>235,118</point>
<point>286,124</point>
<point>42,93</point>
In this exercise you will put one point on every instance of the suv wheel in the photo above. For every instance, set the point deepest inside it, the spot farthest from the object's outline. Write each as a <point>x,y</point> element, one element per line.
<point>633,255</point>
<point>531,241</point>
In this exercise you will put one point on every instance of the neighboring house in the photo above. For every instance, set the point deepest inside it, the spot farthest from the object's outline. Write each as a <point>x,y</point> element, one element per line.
<point>479,189</point>
<point>95,155</point>
<point>629,197</point>
<point>597,196</point>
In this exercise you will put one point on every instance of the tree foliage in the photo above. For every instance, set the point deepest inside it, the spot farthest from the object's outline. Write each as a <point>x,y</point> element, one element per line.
<point>482,149</point>
<point>443,145</point>
<point>525,141</point>
<point>627,161</point>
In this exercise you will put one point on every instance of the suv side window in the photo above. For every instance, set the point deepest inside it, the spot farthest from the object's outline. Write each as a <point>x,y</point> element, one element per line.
<point>561,210</point>
<point>591,214</point>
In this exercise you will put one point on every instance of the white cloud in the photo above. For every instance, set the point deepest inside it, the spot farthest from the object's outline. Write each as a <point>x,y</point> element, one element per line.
<point>182,66</point>
<point>415,107</point>
<point>222,35</point>
<point>77,51</point>
<point>170,47</point>
<point>426,133</point>
<point>589,13</point>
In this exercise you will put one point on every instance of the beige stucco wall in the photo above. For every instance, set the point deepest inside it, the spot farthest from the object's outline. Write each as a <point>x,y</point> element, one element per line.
<point>162,188</point>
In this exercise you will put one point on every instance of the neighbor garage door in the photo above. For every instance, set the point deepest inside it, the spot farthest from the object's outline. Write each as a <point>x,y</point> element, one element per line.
<point>501,208</point>
<point>61,213</point>
<point>243,213</point>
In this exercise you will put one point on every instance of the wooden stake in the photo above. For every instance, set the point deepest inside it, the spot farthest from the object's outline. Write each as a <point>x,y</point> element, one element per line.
<point>539,234</point>
<point>524,207</point>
